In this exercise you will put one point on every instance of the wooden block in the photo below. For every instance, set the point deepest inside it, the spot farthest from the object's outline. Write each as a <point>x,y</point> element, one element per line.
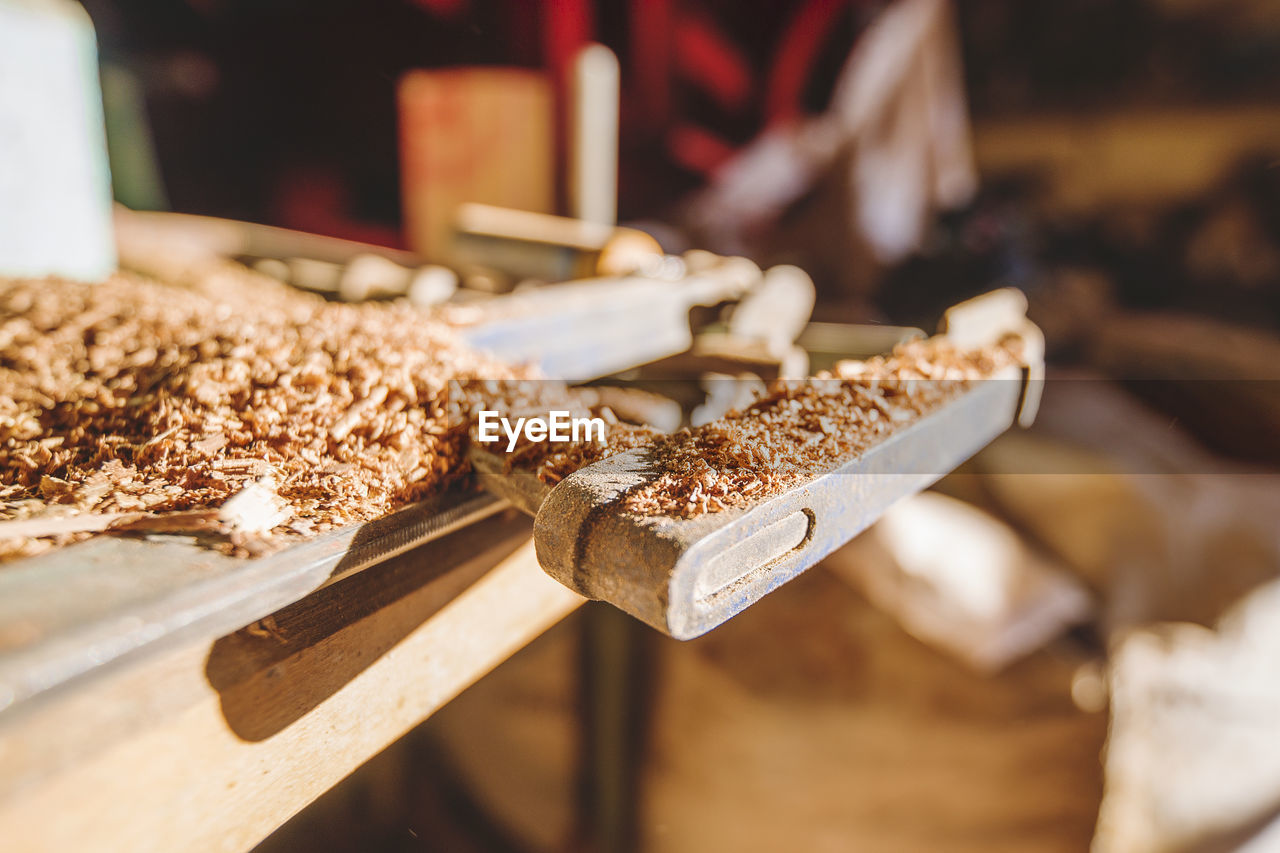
<point>472,135</point>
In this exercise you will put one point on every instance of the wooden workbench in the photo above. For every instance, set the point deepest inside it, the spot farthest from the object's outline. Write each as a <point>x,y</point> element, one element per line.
<point>211,746</point>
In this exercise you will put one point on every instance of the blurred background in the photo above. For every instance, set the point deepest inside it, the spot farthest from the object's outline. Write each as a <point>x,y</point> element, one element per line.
<point>1070,642</point>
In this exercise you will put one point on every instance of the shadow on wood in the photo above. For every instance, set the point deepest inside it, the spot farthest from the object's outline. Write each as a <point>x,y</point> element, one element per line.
<point>275,671</point>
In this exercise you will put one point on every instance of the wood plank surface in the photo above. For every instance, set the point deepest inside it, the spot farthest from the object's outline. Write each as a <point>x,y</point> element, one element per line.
<point>211,747</point>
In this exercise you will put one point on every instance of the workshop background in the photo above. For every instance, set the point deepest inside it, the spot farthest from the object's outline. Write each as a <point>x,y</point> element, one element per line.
<point>1068,643</point>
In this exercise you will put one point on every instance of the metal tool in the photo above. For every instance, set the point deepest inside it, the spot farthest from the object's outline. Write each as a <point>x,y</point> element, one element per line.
<point>585,329</point>
<point>686,576</point>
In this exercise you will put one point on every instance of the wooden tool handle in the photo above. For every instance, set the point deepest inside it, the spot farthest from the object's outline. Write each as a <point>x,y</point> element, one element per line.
<point>983,320</point>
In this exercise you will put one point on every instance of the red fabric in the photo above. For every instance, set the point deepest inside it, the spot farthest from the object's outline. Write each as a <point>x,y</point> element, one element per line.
<point>712,62</point>
<point>797,51</point>
<point>697,149</point>
<point>649,88</point>
<point>568,25</point>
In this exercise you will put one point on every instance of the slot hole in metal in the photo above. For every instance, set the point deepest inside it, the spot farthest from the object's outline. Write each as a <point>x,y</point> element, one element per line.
<point>754,555</point>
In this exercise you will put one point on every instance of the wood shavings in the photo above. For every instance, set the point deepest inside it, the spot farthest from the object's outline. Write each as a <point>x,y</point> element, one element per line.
<point>802,428</point>
<point>131,396</point>
<point>795,430</point>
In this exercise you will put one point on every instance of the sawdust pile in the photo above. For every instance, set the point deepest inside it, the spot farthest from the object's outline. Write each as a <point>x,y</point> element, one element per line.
<point>133,396</point>
<point>798,430</point>
<point>803,428</point>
